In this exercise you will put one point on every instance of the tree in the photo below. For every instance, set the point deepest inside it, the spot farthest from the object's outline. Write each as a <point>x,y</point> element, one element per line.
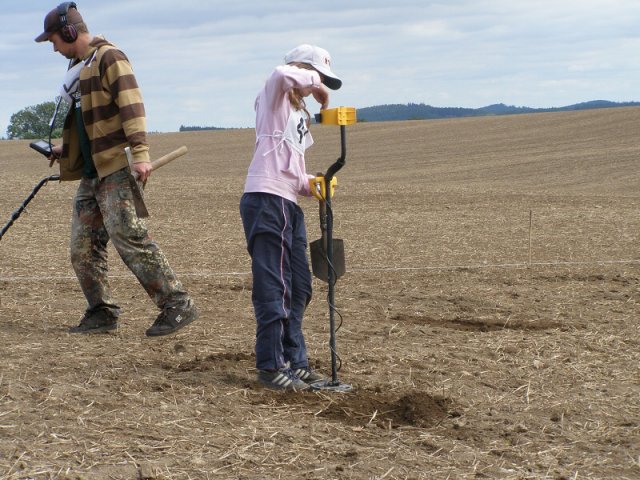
<point>33,121</point>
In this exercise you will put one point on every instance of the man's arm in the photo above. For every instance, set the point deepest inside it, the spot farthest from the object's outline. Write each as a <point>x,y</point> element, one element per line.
<point>119,78</point>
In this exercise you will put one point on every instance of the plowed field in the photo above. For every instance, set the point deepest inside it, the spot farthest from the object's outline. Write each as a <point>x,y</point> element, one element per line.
<point>489,316</point>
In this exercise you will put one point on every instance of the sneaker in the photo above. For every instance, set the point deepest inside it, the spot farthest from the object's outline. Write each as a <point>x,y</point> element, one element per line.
<point>283,379</point>
<point>173,319</point>
<point>309,376</point>
<point>96,322</point>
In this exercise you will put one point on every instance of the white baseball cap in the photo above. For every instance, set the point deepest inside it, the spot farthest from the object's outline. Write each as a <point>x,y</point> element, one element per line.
<point>319,59</point>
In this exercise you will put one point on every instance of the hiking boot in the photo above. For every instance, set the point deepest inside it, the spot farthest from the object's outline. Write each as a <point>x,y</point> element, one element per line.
<point>309,376</point>
<point>96,322</point>
<point>173,319</point>
<point>283,379</point>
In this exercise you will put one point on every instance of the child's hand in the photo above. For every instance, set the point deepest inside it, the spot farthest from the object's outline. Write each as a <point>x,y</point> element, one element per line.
<point>321,95</point>
<point>318,188</point>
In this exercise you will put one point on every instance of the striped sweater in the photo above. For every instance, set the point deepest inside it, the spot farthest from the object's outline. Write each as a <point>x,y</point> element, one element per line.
<point>113,114</point>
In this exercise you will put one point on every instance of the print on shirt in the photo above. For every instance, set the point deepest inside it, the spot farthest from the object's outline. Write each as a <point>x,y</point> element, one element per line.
<point>296,132</point>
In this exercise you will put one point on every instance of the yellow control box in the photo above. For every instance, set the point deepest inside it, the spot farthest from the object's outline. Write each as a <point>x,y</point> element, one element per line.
<point>337,116</point>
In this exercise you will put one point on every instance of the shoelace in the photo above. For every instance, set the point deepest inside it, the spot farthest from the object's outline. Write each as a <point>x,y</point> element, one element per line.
<point>289,373</point>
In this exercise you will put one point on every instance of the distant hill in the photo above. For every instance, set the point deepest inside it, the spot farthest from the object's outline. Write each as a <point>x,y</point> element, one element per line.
<point>420,111</point>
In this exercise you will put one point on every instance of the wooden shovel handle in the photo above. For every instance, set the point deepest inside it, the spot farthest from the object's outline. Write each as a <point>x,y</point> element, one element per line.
<point>169,157</point>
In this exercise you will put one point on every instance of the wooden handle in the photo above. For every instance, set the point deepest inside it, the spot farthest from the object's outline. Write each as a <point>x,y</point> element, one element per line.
<point>169,157</point>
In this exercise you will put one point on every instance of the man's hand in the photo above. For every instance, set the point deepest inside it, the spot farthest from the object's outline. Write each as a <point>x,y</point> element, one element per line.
<point>56,152</point>
<point>143,170</point>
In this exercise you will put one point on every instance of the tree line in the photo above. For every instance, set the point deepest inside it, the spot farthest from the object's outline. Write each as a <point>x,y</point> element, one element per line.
<point>34,121</point>
<point>184,128</point>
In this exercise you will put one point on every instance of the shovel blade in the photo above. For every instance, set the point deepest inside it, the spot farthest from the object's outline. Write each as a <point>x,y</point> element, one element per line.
<point>138,198</point>
<point>320,262</point>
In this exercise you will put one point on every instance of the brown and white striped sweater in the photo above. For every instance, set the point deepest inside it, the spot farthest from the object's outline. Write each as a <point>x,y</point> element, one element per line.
<point>113,114</point>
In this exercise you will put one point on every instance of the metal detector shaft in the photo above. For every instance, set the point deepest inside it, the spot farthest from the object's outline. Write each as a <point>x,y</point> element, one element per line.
<point>21,208</point>
<point>336,116</point>
<point>339,163</point>
<point>331,171</point>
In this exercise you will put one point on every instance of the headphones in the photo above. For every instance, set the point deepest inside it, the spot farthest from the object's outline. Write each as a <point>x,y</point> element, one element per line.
<point>67,31</point>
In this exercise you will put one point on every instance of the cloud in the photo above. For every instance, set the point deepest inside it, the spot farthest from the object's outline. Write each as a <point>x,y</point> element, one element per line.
<point>202,63</point>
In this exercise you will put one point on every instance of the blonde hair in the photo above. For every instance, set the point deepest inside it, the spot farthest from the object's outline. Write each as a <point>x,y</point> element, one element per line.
<point>297,100</point>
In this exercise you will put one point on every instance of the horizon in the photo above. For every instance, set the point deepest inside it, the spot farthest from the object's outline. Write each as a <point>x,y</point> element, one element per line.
<point>206,66</point>
<point>191,127</point>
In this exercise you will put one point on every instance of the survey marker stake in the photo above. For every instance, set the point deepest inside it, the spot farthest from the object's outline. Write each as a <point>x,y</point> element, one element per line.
<point>341,116</point>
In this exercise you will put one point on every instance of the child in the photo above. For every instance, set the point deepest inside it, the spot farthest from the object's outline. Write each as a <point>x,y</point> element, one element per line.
<point>274,223</point>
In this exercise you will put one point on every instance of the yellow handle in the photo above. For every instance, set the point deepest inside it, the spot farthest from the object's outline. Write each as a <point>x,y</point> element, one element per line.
<point>317,186</point>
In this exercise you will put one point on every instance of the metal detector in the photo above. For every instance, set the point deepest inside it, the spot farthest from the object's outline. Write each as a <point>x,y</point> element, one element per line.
<point>24,204</point>
<point>169,157</point>
<point>327,254</point>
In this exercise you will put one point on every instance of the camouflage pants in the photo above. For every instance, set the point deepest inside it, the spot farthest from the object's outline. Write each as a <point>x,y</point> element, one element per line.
<point>103,210</point>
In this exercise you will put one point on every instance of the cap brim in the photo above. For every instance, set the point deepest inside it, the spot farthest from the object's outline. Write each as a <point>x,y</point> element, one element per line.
<point>332,83</point>
<point>43,37</point>
<point>330,78</point>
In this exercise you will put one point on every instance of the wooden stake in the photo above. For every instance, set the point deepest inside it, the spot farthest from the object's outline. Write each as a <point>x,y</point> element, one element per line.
<point>530,227</point>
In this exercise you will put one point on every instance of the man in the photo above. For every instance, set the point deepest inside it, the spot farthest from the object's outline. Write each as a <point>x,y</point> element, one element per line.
<point>106,115</point>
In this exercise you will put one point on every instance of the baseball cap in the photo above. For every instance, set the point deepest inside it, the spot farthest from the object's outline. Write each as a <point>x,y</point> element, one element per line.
<point>319,59</point>
<point>54,21</point>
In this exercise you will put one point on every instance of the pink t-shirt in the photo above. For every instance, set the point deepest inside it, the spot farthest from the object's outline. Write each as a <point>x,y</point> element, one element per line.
<point>282,136</point>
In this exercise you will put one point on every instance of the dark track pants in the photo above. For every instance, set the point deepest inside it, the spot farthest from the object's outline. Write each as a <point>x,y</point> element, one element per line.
<point>277,242</point>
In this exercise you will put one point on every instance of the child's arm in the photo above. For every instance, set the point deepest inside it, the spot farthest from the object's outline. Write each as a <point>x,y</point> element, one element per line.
<point>320,94</point>
<point>288,77</point>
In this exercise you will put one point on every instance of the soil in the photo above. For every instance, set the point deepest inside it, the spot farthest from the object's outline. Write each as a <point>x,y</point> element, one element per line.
<point>487,321</point>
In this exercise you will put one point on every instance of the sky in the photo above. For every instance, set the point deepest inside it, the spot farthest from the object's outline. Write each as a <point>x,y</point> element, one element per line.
<point>202,63</point>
